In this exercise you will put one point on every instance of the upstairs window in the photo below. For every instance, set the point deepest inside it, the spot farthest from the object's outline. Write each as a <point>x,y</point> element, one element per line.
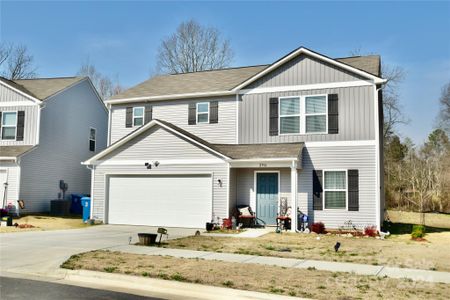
<point>9,125</point>
<point>203,112</point>
<point>289,115</point>
<point>92,139</point>
<point>335,189</point>
<point>316,114</point>
<point>138,116</point>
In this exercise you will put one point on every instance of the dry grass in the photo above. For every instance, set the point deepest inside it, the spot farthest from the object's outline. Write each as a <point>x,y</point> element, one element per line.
<point>44,222</point>
<point>398,250</point>
<point>432,220</point>
<point>270,279</point>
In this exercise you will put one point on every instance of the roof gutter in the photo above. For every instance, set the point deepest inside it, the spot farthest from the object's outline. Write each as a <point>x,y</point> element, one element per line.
<point>169,97</point>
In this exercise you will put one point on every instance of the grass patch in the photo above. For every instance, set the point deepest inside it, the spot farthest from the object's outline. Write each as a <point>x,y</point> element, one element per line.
<point>315,284</point>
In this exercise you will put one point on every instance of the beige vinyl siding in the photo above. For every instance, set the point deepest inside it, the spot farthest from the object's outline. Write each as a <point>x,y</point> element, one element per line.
<point>64,144</point>
<point>340,157</point>
<point>245,189</point>
<point>304,70</point>
<point>12,175</point>
<point>176,112</point>
<point>218,171</point>
<point>159,144</point>
<point>356,116</point>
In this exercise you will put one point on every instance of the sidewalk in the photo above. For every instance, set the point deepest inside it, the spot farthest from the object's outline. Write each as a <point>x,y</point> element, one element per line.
<point>360,269</point>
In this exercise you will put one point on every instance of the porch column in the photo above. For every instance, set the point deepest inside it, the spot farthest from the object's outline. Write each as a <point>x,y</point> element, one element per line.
<point>294,185</point>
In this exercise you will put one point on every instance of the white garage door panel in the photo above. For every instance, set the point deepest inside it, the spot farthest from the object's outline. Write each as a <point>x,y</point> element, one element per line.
<point>172,201</point>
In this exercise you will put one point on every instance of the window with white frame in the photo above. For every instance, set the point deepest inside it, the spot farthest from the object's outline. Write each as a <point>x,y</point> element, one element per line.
<point>335,189</point>
<point>92,138</point>
<point>203,112</point>
<point>9,125</point>
<point>138,116</point>
<point>316,114</point>
<point>289,115</point>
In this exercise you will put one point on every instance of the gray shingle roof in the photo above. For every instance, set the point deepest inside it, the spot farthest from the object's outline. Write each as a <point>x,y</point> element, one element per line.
<point>249,151</point>
<point>222,80</point>
<point>195,82</point>
<point>369,63</point>
<point>13,151</point>
<point>42,88</point>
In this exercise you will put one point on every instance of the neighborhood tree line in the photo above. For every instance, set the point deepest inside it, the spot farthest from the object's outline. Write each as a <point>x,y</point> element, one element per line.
<point>417,177</point>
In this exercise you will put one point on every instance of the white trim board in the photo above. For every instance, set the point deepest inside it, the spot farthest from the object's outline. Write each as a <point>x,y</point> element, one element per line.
<point>305,87</point>
<point>170,97</point>
<point>17,103</point>
<point>341,143</point>
<point>161,162</point>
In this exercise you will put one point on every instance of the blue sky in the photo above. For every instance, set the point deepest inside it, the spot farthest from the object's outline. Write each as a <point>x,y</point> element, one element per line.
<point>121,38</point>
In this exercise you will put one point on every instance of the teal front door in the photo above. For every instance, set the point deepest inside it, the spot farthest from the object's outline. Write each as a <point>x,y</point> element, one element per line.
<point>267,197</point>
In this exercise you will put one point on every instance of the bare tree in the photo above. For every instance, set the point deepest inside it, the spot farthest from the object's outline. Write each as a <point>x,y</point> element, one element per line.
<point>16,62</point>
<point>444,115</point>
<point>192,48</point>
<point>392,109</point>
<point>104,85</point>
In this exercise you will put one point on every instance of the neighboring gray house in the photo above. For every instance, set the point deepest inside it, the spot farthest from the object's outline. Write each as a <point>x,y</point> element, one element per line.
<point>186,149</point>
<point>47,127</point>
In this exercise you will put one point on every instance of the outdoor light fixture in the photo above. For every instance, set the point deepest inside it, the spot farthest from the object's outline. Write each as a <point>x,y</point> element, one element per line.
<point>156,163</point>
<point>148,165</point>
<point>220,182</point>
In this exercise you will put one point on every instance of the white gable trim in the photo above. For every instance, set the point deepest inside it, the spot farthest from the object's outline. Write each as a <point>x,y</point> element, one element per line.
<point>35,100</point>
<point>302,50</point>
<point>139,131</point>
<point>305,87</point>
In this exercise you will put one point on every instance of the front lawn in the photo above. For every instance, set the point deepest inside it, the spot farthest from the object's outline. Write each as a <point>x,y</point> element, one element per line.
<point>44,222</point>
<point>397,250</point>
<point>308,283</point>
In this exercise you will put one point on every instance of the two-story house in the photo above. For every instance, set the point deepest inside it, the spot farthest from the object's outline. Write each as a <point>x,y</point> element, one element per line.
<point>47,127</point>
<point>186,149</point>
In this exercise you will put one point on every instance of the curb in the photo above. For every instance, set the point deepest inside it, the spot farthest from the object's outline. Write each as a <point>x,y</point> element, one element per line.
<point>165,288</point>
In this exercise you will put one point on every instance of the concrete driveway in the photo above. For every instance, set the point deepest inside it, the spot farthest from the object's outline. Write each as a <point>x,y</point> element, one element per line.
<point>42,252</point>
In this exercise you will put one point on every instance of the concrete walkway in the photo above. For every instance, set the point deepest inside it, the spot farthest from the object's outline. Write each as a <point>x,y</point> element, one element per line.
<point>360,269</point>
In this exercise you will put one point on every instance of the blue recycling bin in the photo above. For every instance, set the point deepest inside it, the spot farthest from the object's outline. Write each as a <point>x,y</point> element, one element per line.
<point>86,203</point>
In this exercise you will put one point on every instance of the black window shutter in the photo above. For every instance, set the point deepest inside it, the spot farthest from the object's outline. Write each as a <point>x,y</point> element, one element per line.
<point>20,125</point>
<point>129,117</point>
<point>148,113</point>
<point>214,112</point>
<point>273,116</point>
<point>192,115</point>
<point>0,125</point>
<point>333,115</point>
<point>317,190</point>
<point>353,190</point>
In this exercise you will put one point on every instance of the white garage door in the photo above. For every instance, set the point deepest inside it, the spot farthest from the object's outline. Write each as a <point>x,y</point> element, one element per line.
<point>160,200</point>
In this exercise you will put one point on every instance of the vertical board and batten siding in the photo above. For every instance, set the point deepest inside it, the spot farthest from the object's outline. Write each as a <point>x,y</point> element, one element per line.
<point>148,147</point>
<point>245,185</point>
<point>176,112</point>
<point>12,175</point>
<point>303,70</point>
<point>64,144</point>
<point>31,116</point>
<point>356,116</point>
<point>361,158</point>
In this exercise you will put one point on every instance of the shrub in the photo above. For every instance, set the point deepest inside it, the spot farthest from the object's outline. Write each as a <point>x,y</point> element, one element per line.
<point>418,231</point>
<point>318,227</point>
<point>371,231</point>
